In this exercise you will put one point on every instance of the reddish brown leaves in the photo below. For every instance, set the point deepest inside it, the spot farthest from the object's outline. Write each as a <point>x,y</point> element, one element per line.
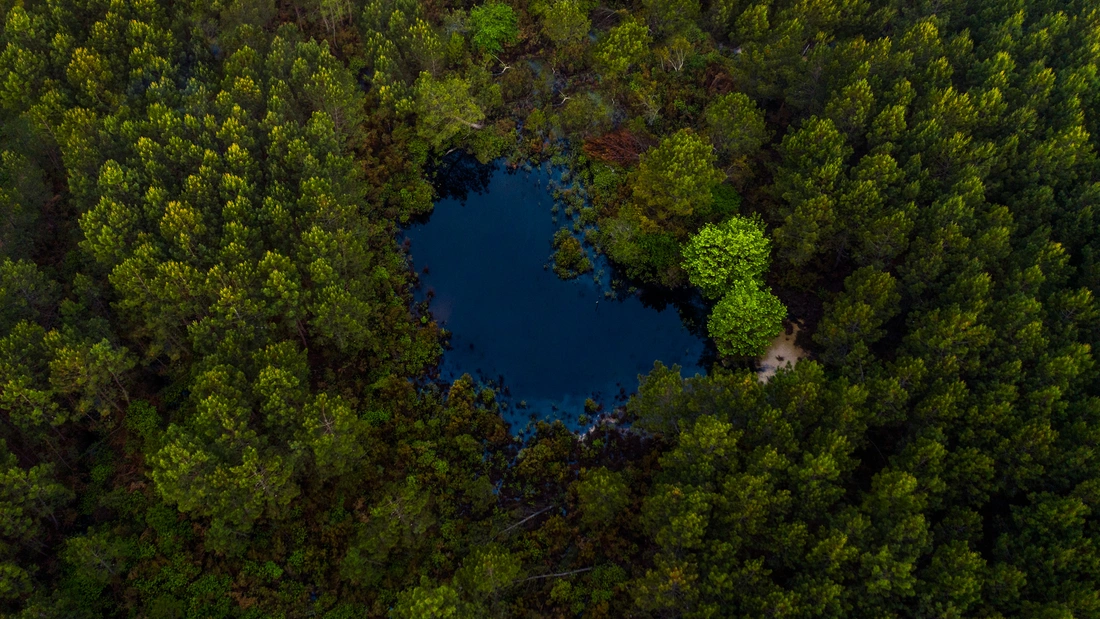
<point>620,147</point>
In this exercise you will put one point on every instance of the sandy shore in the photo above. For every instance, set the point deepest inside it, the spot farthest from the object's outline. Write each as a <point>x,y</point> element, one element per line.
<point>782,352</point>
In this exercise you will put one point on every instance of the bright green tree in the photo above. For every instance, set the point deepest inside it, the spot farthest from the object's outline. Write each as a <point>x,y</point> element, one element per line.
<point>625,46</point>
<point>746,320</point>
<point>493,25</point>
<point>718,256</point>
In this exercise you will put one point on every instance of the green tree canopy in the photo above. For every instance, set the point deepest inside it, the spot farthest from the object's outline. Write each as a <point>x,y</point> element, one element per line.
<point>675,178</point>
<point>672,15</point>
<point>565,22</point>
<point>217,395</point>
<point>746,320</point>
<point>717,256</point>
<point>493,25</point>
<point>735,125</point>
<point>445,109</point>
<point>625,46</point>
<point>601,496</point>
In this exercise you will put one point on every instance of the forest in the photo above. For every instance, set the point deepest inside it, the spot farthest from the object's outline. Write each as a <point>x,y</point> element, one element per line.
<point>217,395</point>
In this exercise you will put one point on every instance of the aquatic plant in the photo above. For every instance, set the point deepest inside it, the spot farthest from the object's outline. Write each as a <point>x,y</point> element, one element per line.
<point>569,257</point>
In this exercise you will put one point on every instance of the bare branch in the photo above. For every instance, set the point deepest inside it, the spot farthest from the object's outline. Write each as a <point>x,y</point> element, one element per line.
<point>559,574</point>
<point>541,511</point>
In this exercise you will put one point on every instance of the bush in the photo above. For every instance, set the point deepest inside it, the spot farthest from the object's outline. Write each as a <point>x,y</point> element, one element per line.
<point>494,25</point>
<point>569,257</point>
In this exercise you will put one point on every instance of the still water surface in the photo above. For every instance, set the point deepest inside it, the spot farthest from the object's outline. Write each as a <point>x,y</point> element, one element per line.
<point>546,342</point>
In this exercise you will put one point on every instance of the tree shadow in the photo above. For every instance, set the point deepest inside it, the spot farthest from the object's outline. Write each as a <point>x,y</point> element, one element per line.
<point>458,174</point>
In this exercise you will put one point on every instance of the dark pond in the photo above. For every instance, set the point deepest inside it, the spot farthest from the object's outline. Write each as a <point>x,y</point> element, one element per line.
<point>548,344</point>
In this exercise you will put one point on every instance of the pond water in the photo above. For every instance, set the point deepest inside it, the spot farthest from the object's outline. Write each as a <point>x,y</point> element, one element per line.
<point>547,344</point>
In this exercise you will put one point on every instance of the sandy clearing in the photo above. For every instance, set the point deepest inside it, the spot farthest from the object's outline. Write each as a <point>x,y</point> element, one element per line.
<point>782,352</point>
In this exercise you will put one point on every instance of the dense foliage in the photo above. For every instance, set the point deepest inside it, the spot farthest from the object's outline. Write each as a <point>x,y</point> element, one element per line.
<point>216,388</point>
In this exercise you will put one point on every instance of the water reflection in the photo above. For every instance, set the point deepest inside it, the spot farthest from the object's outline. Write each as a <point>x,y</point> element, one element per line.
<point>547,344</point>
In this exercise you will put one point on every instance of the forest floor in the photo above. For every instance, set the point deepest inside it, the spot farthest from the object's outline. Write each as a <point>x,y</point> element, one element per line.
<point>782,352</point>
